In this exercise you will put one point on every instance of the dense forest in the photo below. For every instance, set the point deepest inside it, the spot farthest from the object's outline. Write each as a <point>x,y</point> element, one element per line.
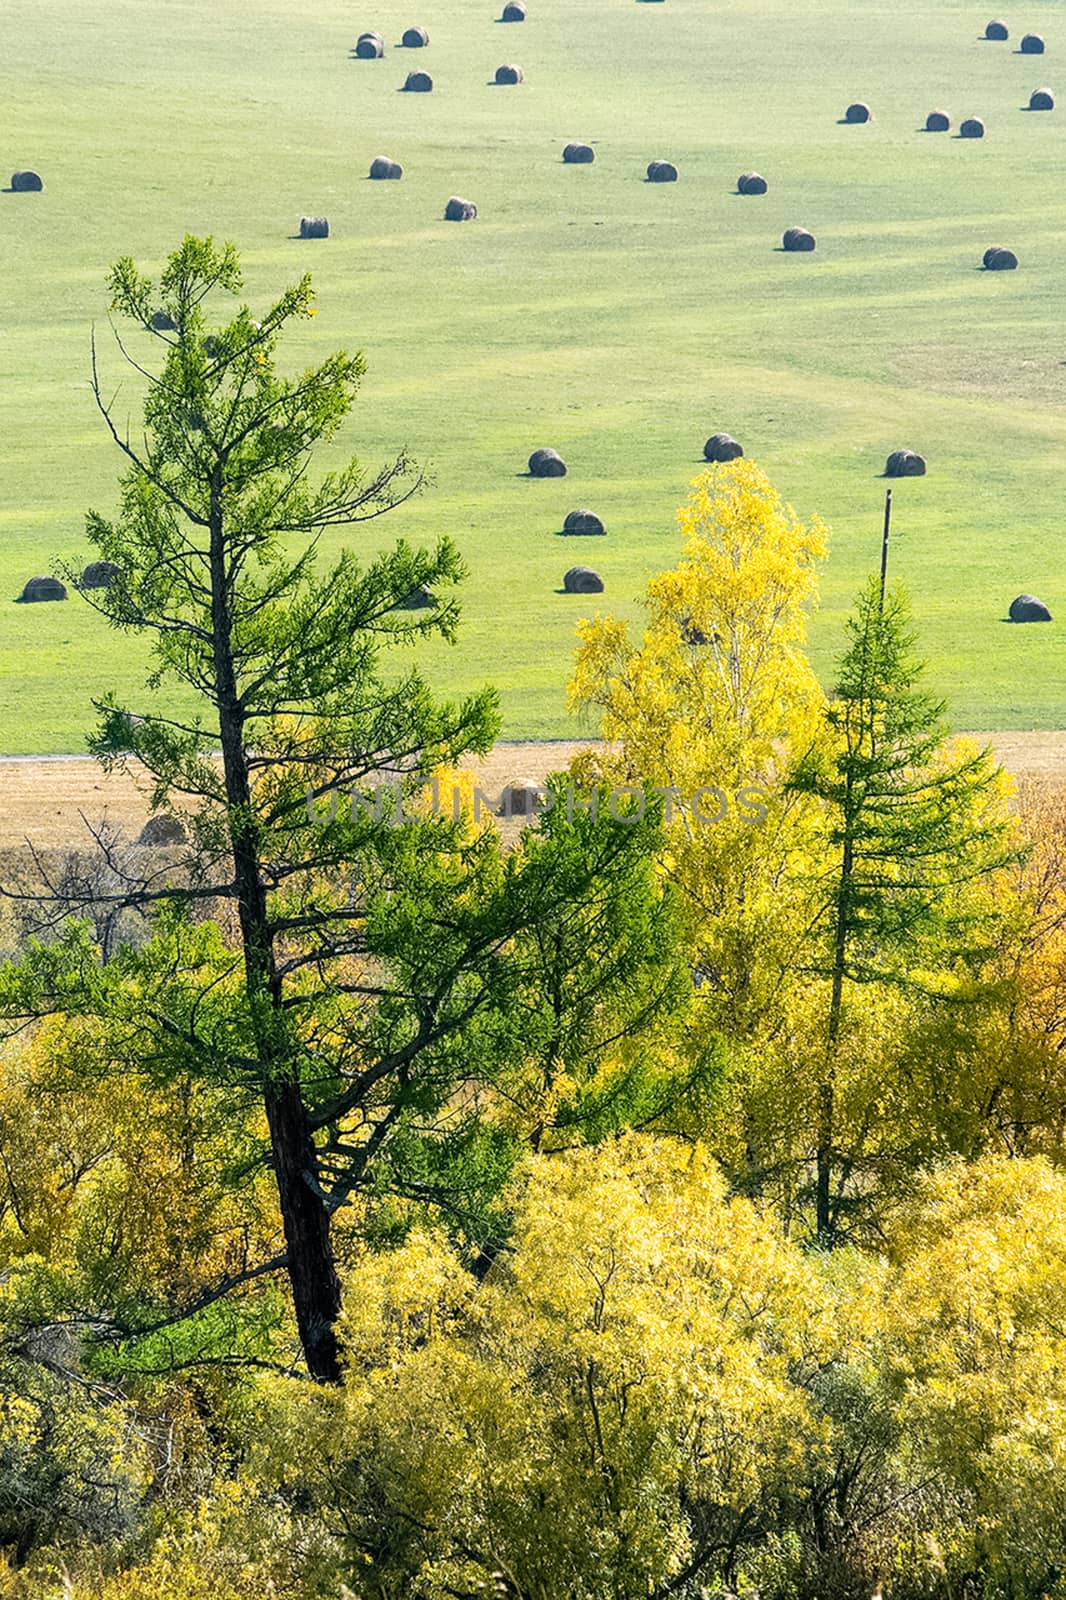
<point>662,1197</point>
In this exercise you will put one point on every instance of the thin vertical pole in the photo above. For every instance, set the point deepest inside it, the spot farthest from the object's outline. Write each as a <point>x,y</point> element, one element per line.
<point>884,544</point>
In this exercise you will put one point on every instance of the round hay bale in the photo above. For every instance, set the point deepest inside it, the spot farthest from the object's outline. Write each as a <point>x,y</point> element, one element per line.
<point>99,575</point>
<point>312,228</point>
<point>1032,45</point>
<point>798,239</point>
<point>997,30</point>
<point>1027,608</point>
<point>905,464</point>
<point>160,831</point>
<point>547,464</point>
<point>459,210</point>
<point>579,154</point>
<point>418,83</point>
<point>163,322</point>
<point>415,39</point>
<point>751,183</point>
<point>382,168</point>
<point>937,122</point>
<point>43,589</point>
<point>662,172</point>
<point>722,447</point>
<point>514,12</point>
<point>520,799</point>
<point>1041,100</point>
<point>509,74</point>
<point>583,522</point>
<point>972,128</point>
<point>418,600</point>
<point>26,182</point>
<point>999,260</point>
<point>583,580</point>
<point>857,112</point>
<point>369,46</point>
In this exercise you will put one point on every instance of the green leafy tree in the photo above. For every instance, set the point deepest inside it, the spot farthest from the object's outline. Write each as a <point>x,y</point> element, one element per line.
<point>333,973</point>
<point>912,828</point>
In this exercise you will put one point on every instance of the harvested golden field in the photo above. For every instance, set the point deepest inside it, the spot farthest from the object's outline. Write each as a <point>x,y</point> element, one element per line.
<point>49,802</point>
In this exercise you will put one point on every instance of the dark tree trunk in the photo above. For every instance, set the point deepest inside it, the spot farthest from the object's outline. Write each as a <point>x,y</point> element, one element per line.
<point>305,1216</point>
<point>316,1289</point>
<point>827,1088</point>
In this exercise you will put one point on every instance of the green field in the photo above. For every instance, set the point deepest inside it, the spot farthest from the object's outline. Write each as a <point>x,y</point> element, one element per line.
<point>620,321</point>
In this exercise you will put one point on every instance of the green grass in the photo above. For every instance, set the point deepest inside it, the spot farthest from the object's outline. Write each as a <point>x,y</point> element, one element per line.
<point>619,321</point>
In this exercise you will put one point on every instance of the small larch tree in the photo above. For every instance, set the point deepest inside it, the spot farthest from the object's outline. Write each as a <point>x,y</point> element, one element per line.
<point>911,829</point>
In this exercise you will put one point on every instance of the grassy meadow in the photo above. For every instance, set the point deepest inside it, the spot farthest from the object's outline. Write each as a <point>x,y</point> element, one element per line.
<point>619,321</point>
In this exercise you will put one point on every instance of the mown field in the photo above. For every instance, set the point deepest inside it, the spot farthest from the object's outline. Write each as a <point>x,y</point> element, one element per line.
<point>619,321</point>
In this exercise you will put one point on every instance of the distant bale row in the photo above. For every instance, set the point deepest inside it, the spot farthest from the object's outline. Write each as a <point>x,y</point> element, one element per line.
<point>418,83</point>
<point>97,575</point>
<point>509,74</point>
<point>26,182</point>
<point>662,172</point>
<point>722,447</point>
<point>579,154</point>
<point>382,168</point>
<point>794,241</point>
<point>1031,45</point>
